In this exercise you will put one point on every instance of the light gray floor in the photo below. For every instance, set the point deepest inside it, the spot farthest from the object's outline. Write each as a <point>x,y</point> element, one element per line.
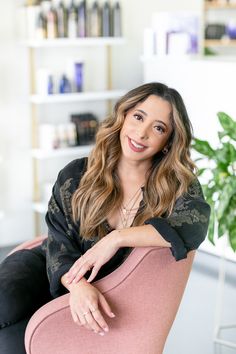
<point>192,331</point>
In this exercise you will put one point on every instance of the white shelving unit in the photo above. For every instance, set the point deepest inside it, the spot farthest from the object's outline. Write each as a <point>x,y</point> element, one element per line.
<point>42,154</point>
<point>221,12</point>
<point>77,97</point>
<point>57,100</point>
<point>74,42</point>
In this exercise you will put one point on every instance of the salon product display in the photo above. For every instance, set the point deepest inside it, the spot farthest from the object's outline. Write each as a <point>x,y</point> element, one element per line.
<point>48,83</point>
<point>52,136</point>
<point>171,34</point>
<point>74,19</point>
<point>86,127</point>
<point>81,130</point>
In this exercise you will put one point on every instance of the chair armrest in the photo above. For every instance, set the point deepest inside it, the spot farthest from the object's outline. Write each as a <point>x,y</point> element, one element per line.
<point>144,293</point>
<point>29,244</point>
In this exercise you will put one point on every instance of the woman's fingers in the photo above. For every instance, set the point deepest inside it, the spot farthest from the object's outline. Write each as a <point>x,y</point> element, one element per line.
<point>93,324</point>
<point>76,318</point>
<point>93,273</point>
<point>92,320</point>
<point>100,320</point>
<point>105,306</point>
<point>81,272</point>
<point>78,273</point>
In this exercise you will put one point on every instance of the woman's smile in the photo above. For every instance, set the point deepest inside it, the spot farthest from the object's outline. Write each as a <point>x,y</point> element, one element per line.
<point>135,146</point>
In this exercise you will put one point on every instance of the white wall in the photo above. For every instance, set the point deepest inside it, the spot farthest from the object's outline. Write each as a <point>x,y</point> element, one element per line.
<point>15,171</point>
<point>15,140</point>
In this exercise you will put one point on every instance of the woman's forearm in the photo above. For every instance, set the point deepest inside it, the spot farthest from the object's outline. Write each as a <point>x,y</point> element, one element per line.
<point>140,236</point>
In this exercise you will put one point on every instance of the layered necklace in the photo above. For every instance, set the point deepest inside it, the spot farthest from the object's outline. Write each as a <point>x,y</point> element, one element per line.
<point>129,210</point>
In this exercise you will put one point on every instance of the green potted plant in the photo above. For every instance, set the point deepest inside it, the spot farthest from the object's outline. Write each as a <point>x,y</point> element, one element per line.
<point>220,173</point>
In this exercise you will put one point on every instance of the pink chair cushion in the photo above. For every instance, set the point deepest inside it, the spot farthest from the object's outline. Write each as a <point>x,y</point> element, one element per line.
<point>144,293</point>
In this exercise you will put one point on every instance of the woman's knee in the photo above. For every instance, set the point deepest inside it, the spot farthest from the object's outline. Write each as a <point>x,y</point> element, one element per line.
<point>24,286</point>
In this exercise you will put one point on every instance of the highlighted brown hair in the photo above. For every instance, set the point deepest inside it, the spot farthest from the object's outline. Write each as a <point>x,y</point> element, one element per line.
<point>100,192</point>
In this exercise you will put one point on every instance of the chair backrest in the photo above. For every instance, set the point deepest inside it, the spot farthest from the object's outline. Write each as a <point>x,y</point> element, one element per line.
<point>29,244</point>
<point>144,292</point>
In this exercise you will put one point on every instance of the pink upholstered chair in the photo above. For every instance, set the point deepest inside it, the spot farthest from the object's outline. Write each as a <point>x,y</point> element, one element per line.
<point>144,292</point>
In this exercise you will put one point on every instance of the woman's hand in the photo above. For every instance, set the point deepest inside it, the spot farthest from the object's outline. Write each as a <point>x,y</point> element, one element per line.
<point>93,259</point>
<point>84,305</point>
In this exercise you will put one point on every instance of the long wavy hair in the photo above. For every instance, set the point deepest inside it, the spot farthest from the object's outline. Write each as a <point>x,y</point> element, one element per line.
<point>100,193</point>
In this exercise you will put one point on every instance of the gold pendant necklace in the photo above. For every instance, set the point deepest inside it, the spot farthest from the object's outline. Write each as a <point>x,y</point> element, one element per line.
<point>125,213</point>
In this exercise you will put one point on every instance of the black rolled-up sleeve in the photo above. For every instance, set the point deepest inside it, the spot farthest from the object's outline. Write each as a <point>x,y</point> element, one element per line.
<point>62,249</point>
<point>186,227</point>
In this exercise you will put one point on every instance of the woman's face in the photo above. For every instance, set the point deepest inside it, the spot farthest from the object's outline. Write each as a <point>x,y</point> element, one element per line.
<point>146,129</point>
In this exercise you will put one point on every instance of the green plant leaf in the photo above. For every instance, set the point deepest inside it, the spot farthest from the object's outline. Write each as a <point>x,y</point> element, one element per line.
<point>222,227</point>
<point>225,195</point>
<point>211,228</point>
<point>201,171</point>
<point>220,190</point>
<point>222,134</point>
<point>232,237</point>
<point>203,147</point>
<point>228,124</point>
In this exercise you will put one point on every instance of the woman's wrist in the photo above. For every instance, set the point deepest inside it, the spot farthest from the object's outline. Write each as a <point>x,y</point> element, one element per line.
<point>118,238</point>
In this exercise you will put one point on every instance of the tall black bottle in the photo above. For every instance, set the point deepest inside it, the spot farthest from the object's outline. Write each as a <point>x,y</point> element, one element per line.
<point>62,20</point>
<point>116,20</point>
<point>106,19</point>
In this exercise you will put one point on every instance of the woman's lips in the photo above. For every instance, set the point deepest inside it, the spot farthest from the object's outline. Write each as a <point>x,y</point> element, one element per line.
<point>137,147</point>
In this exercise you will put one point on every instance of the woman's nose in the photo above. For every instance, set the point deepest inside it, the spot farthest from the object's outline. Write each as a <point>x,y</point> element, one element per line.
<point>142,133</point>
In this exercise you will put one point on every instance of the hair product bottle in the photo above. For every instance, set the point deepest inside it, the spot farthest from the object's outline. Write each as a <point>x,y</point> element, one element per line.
<point>95,20</point>
<point>72,20</point>
<point>64,84</point>
<point>106,19</point>
<point>116,19</point>
<point>62,18</point>
<point>50,85</point>
<point>79,77</point>
<point>52,23</point>
<point>41,26</point>
<point>82,19</point>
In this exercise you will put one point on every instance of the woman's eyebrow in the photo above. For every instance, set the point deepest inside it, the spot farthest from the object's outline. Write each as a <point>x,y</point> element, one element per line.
<point>156,120</point>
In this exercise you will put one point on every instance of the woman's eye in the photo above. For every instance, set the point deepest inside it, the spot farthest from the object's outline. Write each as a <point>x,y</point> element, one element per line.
<point>160,129</point>
<point>138,116</point>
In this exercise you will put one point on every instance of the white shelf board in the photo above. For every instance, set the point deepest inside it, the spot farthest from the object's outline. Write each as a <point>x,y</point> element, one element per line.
<point>168,57</point>
<point>41,154</point>
<point>77,97</point>
<point>74,42</point>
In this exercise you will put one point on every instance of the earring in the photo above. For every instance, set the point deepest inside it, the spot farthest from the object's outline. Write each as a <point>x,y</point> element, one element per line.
<point>165,150</point>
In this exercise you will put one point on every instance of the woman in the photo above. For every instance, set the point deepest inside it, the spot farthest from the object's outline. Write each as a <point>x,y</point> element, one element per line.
<point>136,189</point>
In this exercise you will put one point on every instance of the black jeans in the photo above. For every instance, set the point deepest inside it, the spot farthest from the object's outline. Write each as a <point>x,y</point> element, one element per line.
<point>24,288</point>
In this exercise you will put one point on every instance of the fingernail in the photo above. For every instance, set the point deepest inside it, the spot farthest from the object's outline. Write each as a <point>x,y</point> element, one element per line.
<point>106,329</point>
<point>101,333</point>
<point>112,314</point>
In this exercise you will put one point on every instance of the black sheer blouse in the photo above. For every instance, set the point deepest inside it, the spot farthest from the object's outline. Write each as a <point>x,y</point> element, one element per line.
<point>185,228</point>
